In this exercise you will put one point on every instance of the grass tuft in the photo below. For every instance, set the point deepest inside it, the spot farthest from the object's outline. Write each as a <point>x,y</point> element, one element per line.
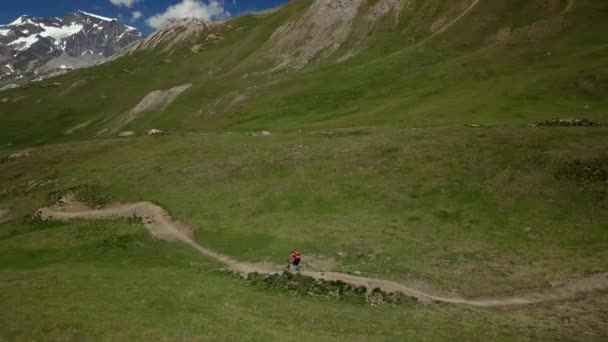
<point>301,285</point>
<point>90,195</point>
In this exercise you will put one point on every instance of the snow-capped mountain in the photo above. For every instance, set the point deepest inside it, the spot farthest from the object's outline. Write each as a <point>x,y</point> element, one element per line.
<point>32,47</point>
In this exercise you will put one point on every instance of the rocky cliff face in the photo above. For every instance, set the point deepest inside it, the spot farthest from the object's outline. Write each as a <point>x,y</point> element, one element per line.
<point>34,47</point>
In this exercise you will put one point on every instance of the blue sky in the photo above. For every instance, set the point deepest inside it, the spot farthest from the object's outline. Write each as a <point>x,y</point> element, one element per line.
<point>153,12</point>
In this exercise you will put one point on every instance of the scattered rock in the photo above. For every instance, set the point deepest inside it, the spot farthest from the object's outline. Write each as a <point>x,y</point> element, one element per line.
<point>569,320</point>
<point>53,84</point>
<point>214,36</point>
<point>154,131</point>
<point>568,123</point>
<point>196,48</point>
<point>474,125</point>
<point>385,7</point>
<point>126,134</point>
<point>319,32</point>
<point>265,133</point>
<point>14,156</point>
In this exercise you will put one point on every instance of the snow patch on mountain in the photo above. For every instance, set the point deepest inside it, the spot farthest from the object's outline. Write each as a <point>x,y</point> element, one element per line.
<point>24,43</point>
<point>38,47</point>
<point>59,33</point>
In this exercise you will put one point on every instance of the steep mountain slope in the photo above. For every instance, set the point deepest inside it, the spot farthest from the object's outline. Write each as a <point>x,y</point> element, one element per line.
<point>39,46</point>
<point>337,63</point>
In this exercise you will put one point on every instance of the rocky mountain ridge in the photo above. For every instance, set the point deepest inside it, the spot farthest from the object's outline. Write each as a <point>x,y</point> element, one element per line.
<point>32,47</point>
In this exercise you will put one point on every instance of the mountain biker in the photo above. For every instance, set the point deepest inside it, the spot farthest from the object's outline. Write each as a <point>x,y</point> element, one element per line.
<point>294,261</point>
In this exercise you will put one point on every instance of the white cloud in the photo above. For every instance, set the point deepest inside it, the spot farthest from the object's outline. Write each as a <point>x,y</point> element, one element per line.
<point>212,10</point>
<point>126,3</point>
<point>136,15</point>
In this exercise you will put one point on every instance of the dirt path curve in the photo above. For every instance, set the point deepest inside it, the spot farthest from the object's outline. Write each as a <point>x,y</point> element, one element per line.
<point>162,226</point>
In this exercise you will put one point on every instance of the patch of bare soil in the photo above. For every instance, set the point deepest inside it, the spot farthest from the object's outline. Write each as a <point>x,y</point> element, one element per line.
<point>78,127</point>
<point>156,100</point>
<point>503,35</point>
<point>75,86</point>
<point>162,226</point>
<point>438,24</point>
<point>3,215</point>
<point>384,7</point>
<point>451,23</point>
<point>321,31</point>
<point>238,99</point>
<point>14,156</point>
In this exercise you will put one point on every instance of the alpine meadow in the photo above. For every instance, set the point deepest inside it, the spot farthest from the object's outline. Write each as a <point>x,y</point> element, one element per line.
<point>441,165</point>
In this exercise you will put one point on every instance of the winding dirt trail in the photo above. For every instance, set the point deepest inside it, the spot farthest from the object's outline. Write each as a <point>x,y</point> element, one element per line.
<point>162,226</point>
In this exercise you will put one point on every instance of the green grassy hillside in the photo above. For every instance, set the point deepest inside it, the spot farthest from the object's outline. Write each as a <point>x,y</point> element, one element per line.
<point>480,211</point>
<point>109,281</point>
<point>504,62</point>
<point>490,211</point>
<point>402,153</point>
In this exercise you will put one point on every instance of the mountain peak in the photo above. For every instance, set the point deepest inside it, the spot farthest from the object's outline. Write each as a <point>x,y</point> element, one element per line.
<point>43,45</point>
<point>23,19</point>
